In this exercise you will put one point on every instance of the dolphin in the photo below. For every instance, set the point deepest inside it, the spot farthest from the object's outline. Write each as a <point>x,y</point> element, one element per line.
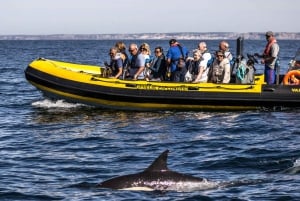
<point>158,177</point>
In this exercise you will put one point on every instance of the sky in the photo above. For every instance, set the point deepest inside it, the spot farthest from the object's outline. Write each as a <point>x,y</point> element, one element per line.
<point>35,17</point>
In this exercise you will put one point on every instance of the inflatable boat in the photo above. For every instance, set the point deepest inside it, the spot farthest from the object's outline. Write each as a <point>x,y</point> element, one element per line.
<point>86,84</point>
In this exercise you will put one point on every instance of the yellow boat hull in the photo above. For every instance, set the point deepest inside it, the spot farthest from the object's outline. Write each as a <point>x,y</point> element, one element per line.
<point>86,84</point>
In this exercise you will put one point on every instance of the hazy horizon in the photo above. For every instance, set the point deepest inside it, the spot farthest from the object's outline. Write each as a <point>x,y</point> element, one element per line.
<point>33,17</point>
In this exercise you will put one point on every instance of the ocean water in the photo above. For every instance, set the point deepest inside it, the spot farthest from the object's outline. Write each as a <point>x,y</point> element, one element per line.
<point>54,150</point>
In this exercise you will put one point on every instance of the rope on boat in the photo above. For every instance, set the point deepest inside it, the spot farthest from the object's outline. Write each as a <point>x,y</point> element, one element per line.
<point>150,85</point>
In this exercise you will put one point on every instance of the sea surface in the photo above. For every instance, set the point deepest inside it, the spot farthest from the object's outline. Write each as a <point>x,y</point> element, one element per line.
<point>55,150</point>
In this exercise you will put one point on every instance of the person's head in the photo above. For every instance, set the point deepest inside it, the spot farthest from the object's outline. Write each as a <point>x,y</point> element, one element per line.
<point>269,35</point>
<point>158,51</point>
<point>202,47</point>
<point>220,55</point>
<point>121,46</point>
<point>224,46</point>
<point>133,49</point>
<point>145,48</point>
<point>113,52</point>
<point>172,42</point>
<point>197,55</point>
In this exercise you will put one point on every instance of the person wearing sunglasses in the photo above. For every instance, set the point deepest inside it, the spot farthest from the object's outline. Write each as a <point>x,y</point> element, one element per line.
<point>158,66</point>
<point>116,63</point>
<point>220,70</point>
<point>134,62</point>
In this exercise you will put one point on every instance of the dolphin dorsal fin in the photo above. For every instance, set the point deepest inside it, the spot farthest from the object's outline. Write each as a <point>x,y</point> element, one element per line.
<point>160,163</point>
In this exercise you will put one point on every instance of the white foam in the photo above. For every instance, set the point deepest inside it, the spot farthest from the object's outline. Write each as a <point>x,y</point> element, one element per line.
<point>295,169</point>
<point>181,186</point>
<point>138,188</point>
<point>297,163</point>
<point>193,186</point>
<point>47,103</point>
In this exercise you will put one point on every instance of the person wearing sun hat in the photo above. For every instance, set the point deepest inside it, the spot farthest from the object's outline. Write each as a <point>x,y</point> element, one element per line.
<point>269,57</point>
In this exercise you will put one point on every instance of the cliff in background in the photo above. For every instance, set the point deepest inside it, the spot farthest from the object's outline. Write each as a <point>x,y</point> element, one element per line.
<point>156,36</point>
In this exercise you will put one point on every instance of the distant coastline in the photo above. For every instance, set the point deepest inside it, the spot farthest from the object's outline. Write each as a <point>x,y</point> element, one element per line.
<point>156,36</point>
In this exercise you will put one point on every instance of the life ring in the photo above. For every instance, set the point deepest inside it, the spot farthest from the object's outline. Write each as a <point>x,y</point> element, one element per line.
<point>292,78</point>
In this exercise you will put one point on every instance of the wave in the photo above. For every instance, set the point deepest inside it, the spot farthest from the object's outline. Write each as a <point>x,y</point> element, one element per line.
<point>49,104</point>
<point>23,196</point>
<point>295,169</point>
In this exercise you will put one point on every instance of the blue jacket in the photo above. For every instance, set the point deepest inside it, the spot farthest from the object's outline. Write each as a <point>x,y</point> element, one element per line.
<point>174,54</point>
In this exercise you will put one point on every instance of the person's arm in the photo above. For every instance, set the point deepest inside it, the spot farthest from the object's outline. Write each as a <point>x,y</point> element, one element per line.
<point>120,71</point>
<point>120,68</point>
<point>274,54</point>
<point>201,70</point>
<point>139,71</point>
<point>141,63</point>
<point>268,60</point>
<point>168,57</point>
<point>156,64</point>
<point>258,55</point>
<point>227,76</point>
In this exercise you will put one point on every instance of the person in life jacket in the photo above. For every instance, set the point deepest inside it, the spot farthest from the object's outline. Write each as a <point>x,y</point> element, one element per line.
<point>269,57</point>
<point>116,63</point>
<point>224,46</point>
<point>220,70</point>
<point>122,52</point>
<point>137,61</point>
<point>193,66</point>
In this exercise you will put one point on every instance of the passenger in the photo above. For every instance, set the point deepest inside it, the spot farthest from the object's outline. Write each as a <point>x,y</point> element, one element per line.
<point>146,52</point>
<point>269,58</point>
<point>204,64</point>
<point>138,61</point>
<point>224,46</point>
<point>220,70</point>
<point>147,47</point>
<point>116,63</point>
<point>132,66</point>
<point>194,65</point>
<point>122,50</point>
<point>158,66</point>
<point>176,57</point>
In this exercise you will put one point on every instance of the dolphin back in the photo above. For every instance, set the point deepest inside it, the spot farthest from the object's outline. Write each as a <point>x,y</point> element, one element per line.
<point>160,163</point>
<point>157,177</point>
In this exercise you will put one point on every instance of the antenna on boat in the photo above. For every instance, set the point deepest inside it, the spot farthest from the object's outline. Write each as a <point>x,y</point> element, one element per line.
<point>239,46</point>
